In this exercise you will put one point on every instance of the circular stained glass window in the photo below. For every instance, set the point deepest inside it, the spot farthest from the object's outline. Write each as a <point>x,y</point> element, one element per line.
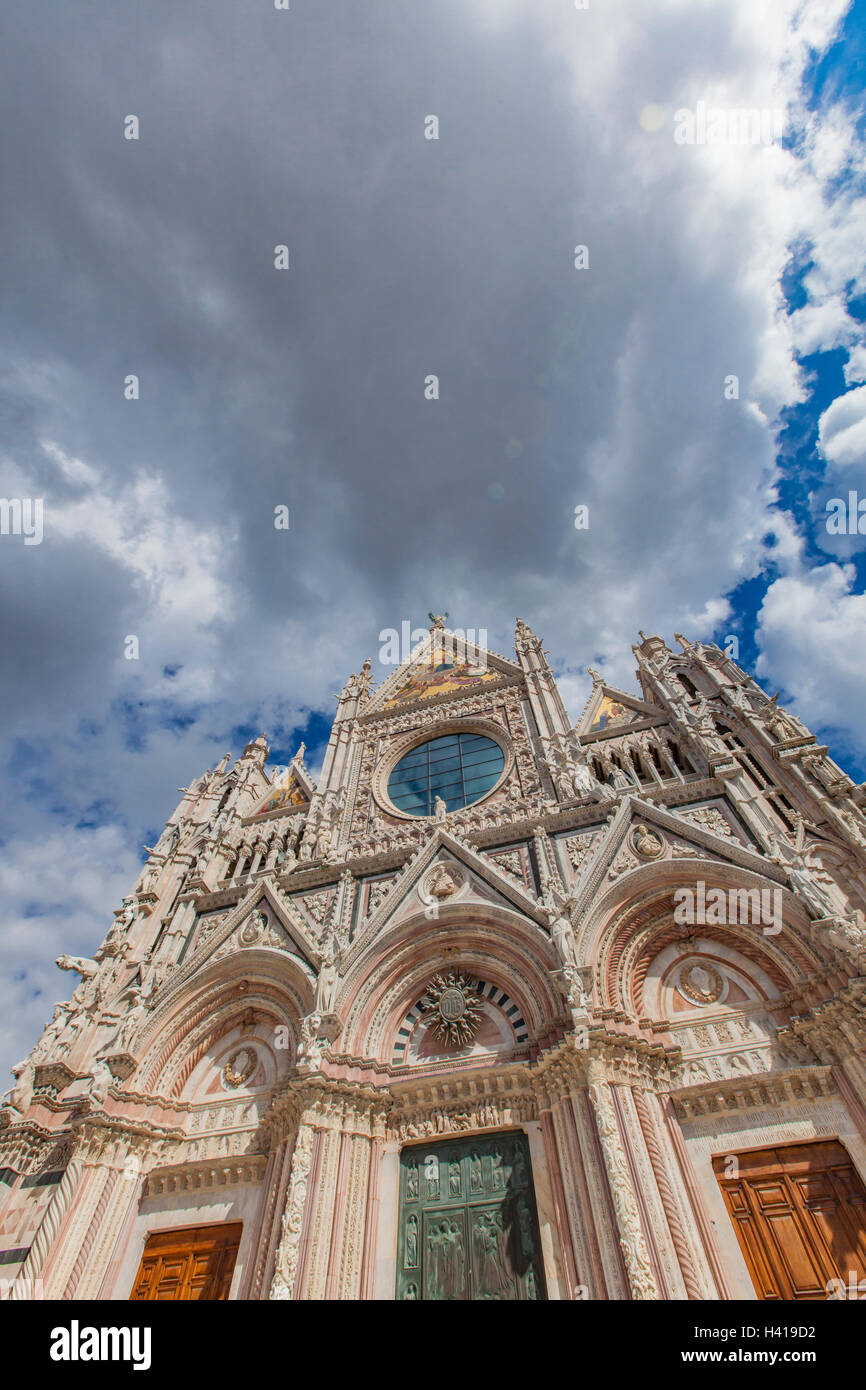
<point>461,768</point>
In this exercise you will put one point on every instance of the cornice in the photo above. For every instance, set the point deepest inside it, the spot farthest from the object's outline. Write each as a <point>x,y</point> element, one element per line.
<point>762,1091</point>
<point>198,1176</point>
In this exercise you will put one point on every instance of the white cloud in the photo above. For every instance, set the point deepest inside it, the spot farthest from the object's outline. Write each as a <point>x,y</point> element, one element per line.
<point>812,634</point>
<point>58,893</point>
<point>842,429</point>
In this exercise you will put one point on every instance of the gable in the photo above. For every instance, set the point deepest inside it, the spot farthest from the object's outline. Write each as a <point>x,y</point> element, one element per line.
<point>440,678</point>
<point>443,663</point>
<point>609,711</point>
<point>445,872</point>
<point>286,793</point>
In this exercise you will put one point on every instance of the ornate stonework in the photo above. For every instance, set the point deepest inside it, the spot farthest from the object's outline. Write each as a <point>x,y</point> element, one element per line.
<point>352,1023</point>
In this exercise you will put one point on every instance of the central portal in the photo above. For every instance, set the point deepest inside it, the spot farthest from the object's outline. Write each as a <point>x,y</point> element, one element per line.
<point>468,1224</point>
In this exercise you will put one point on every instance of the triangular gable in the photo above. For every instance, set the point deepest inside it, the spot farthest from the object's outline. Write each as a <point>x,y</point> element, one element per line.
<point>609,711</point>
<point>610,856</point>
<point>299,942</point>
<point>443,663</point>
<point>442,845</point>
<point>289,791</point>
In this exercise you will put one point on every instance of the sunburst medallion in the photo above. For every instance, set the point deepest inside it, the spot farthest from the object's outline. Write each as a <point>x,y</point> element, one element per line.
<point>454,1009</point>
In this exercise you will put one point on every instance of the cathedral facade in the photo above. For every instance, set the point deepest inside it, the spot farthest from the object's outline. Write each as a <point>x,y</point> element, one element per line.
<point>500,1007</point>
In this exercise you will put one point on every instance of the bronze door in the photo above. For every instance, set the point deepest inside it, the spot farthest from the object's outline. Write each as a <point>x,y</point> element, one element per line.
<point>468,1223</point>
<point>799,1212</point>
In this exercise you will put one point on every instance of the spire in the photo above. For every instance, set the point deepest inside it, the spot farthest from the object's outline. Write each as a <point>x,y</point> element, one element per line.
<point>256,751</point>
<point>550,713</point>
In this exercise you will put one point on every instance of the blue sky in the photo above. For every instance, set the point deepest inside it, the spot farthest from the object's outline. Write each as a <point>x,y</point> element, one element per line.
<point>834,76</point>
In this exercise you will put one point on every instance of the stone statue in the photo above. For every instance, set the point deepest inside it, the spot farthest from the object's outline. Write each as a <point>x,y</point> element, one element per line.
<point>801,874</point>
<point>88,994</point>
<point>579,986</point>
<point>364,681</point>
<point>615,774</point>
<point>439,809</point>
<point>441,884</point>
<point>779,721</point>
<point>327,981</point>
<point>310,1049</point>
<point>127,914</point>
<point>351,688</point>
<point>323,840</point>
<point>153,974</point>
<point>82,965</point>
<point>583,778</point>
<point>129,1024</point>
<point>102,1079</point>
<point>149,875</point>
<point>307,843</point>
<point>848,932</point>
<point>564,783</point>
<point>47,1042</point>
<point>20,1095</point>
<point>563,939</point>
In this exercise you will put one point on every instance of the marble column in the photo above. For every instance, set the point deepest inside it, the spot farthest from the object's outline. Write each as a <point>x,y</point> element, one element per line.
<point>638,1264</point>
<point>288,1253</point>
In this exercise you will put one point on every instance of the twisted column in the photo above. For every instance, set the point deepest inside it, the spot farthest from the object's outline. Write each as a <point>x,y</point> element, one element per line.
<point>669,1201</point>
<point>78,1269</point>
<point>48,1229</point>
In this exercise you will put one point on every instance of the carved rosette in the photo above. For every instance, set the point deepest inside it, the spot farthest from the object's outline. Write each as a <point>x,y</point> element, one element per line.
<point>631,1237</point>
<point>286,1267</point>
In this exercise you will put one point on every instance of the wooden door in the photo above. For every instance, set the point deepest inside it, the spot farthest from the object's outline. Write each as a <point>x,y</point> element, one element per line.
<point>799,1212</point>
<point>196,1262</point>
<point>468,1226</point>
